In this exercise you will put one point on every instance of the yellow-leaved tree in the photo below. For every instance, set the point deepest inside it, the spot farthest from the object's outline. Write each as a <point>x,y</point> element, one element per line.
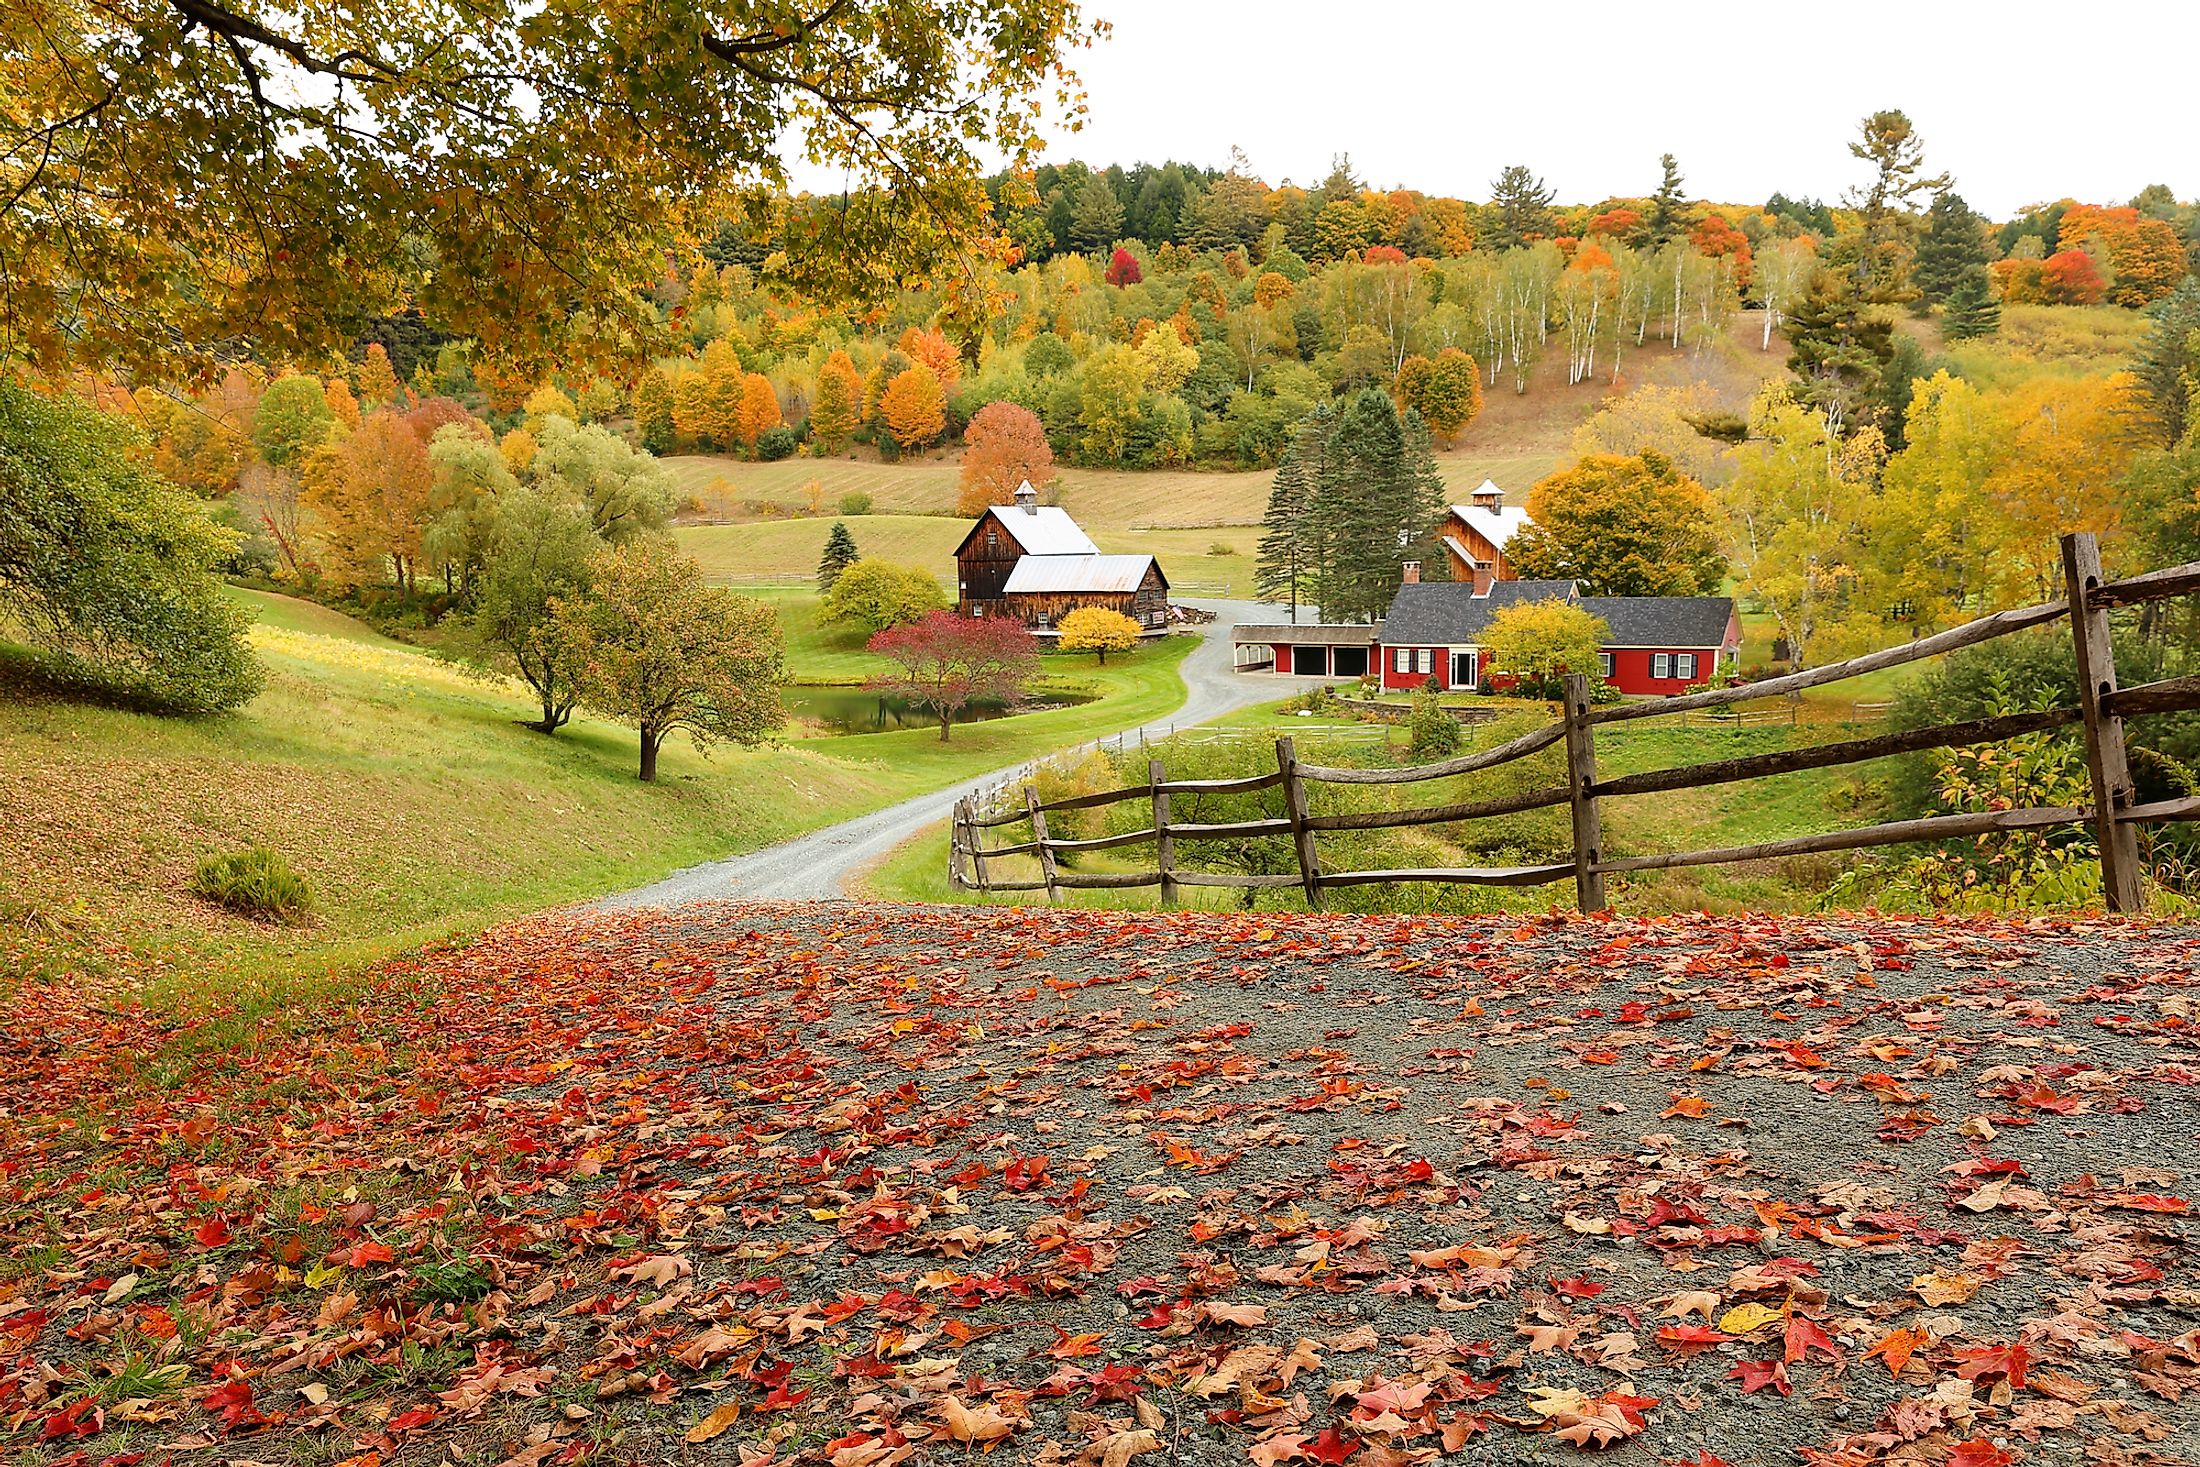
<point>1099,629</point>
<point>1537,643</point>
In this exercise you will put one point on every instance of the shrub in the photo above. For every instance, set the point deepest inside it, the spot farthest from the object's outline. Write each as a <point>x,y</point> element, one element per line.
<point>853,505</point>
<point>256,882</point>
<point>1222,547</point>
<point>877,594</point>
<point>109,567</point>
<point>1433,731</point>
<point>777,443</point>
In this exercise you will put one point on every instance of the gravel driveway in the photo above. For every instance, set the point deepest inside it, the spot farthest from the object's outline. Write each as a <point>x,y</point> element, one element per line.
<point>816,867</point>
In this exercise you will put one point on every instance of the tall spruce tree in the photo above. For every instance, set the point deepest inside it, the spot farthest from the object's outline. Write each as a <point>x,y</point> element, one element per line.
<point>1669,205</point>
<point>1971,310</point>
<point>1284,564</point>
<point>1953,246</point>
<point>1376,504</point>
<point>840,553</point>
<point>1879,253</point>
<point>2169,360</point>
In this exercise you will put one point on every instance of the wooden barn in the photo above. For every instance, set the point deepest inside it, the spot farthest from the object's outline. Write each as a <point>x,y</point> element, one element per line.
<point>1032,562</point>
<point>1475,535</point>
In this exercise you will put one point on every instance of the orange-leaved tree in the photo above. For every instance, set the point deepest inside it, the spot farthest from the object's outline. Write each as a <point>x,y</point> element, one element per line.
<point>370,488</point>
<point>757,413</point>
<point>1004,446</point>
<point>914,408</point>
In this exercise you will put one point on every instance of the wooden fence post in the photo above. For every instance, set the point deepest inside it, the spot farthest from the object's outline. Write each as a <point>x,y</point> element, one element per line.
<point>958,830</point>
<point>1039,834</point>
<point>1581,775</point>
<point>977,850</point>
<point>2105,757</point>
<point>1302,839</point>
<point>1164,844</point>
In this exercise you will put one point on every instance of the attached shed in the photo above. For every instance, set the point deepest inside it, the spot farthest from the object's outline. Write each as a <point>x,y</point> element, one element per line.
<point>1312,650</point>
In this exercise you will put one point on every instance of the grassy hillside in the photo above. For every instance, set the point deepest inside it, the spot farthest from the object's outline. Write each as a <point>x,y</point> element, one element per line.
<point>408,794</point>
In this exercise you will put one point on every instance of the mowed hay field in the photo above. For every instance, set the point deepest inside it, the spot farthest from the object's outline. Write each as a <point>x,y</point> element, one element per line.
<point>1167,513</point>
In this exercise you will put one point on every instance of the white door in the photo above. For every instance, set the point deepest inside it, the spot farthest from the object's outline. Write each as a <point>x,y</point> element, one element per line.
<point>1463,670</point>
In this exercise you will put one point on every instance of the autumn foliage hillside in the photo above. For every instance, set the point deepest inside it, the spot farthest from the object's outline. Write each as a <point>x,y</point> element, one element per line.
<point>857,1186</point>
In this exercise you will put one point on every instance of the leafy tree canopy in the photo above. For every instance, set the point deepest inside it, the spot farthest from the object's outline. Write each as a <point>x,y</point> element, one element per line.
<point>183,177</point>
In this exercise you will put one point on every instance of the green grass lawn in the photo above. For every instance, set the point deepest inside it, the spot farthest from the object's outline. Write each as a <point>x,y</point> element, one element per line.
<point>406,791</point>
<point>785,552</point>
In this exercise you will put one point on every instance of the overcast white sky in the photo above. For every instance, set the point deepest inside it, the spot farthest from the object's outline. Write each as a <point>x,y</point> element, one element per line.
<point>2022,102</point>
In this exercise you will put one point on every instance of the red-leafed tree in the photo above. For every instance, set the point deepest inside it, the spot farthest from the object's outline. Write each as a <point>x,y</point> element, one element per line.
<point>945,663</point>
<point>1384,255</point>
<point>1123,268</point>
<point>2070,278</point>
<point>1715,237</point>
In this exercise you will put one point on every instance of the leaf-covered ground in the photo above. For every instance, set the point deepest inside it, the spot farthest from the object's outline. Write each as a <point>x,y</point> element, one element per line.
<point>864,1185</point>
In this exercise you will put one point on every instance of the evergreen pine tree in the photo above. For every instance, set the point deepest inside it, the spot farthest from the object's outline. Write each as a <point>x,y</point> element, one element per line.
<point>1971,310</point>
<point>1376,505</point>
<point>1954,244</point>
<point>840,553</point>
<point>1519,209</point>
<point>1097,221</point>
<point>1840,350</point>
<point>2169,360</point>
<point>1668,206</point>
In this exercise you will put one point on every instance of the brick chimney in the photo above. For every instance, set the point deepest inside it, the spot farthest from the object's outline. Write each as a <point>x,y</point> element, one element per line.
<point>1485,576</point>
<point>1412,569</point>
<point>1027,498</point>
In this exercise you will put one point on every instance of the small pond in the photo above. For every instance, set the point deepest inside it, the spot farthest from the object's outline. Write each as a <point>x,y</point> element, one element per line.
<point>858,711</point>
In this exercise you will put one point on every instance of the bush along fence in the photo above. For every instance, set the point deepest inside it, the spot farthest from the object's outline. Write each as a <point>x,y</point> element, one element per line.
<point>2102,708</point>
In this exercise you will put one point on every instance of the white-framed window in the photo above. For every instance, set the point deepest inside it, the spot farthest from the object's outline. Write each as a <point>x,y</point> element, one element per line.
<point>1402,660</point>
<point>1424,660</point>
<point>1661,664</point>
<point>1605,662</point>
<point>1684,666</point>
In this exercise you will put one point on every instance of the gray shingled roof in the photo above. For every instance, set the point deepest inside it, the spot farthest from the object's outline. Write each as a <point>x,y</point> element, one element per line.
<point>1448,613</point>
<point>1663,621</point>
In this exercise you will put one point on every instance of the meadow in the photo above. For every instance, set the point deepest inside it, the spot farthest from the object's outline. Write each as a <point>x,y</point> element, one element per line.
<point>406,791</point>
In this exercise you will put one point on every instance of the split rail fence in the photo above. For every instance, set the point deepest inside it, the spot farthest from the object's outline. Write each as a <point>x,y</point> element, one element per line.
<point>2103,707</point>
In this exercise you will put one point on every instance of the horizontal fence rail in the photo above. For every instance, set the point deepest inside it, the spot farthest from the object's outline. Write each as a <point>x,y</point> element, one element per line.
<point>2102,708</point>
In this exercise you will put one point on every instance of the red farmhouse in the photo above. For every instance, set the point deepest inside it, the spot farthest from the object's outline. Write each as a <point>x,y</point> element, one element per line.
<point>1433,633</point>
<point>1657,645</point>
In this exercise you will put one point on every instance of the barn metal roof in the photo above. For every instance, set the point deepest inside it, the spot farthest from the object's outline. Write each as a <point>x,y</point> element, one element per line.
<point>1497,526</point>
<point>1043,530</point>
<point>1072,573</point>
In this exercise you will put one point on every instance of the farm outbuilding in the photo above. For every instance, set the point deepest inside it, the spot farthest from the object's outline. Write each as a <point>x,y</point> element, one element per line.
<point>1032,562</point>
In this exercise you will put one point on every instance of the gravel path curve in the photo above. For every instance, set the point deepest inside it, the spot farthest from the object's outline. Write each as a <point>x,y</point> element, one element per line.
<point>817,866</point>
